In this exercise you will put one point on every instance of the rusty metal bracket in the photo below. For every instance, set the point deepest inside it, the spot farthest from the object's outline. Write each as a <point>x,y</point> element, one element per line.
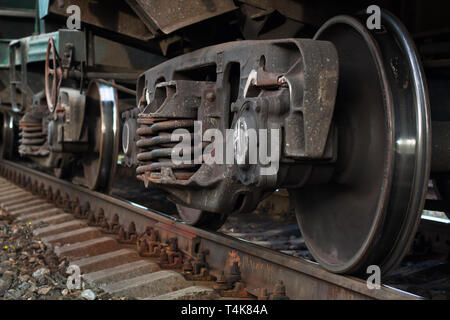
<point>170,256</point>
<point>111,227</point>
<point>128,236</point>
<point>230,284</point>
<point>148,244</point>
<point>197,269</point>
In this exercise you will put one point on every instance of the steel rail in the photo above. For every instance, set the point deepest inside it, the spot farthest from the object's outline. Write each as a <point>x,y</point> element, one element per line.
<point>260,267</point>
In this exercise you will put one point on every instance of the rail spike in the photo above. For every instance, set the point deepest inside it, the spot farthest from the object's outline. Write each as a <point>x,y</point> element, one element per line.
<point>197,269</point>
<point>66,203</point>
<point>49,194</point>
<point>171,257</point>
<point>41,191</point>
<point>129,236</point>
<point>95,219</point>
<point>148,243</point>
<point>231,284</point>
<point>111,227</point>
<point>75,203</point>
<point>85,210</point>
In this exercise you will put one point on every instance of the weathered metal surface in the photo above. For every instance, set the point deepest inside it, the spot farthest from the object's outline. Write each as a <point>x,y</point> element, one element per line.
<point>259,267</point>
<point>113,56</point>
<point>310,12</point>
<point>116,17</point>
<point>169,16</point>
<point>36,45</point>
<point>53,75</point>
<point>433,237</point>
<point>4,53</point>
<point>281,85</point>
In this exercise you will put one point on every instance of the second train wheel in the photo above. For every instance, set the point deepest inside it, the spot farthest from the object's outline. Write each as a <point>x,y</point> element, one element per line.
<point>201,219</point>
<point>6,135</point>
<point>102,122</point>
<point>368,214</point>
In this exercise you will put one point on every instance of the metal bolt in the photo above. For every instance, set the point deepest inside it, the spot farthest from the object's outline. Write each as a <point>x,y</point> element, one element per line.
<point>210,97</point>
<point>77,212</point>
<point>282,81</point>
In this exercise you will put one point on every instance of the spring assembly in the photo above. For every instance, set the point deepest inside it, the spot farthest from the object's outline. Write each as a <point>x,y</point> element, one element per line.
<point>155,147</point>
<point>32,128</point>
<point>31,134</point>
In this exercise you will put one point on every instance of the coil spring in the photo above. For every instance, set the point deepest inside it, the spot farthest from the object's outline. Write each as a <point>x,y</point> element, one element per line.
<point>31,134</point>
<point>155,147</point>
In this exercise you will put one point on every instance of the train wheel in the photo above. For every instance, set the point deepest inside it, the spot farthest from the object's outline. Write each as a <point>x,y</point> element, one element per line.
<point>201,219</point>
<point>369,212</point>
<point>6,135</point>
<point>102,123</point>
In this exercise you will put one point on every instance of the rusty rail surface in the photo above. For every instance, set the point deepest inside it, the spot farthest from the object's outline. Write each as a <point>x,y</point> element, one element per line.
<point>260,268</point>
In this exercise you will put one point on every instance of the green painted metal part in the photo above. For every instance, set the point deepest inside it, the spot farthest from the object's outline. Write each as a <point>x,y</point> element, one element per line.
<point>4,53</point>
<point>43,8</point>
<point>36,48</point>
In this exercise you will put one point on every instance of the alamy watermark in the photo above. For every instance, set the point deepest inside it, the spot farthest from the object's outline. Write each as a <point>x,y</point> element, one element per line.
<point>374,280</point>
<point>374,20</point>
<point>241,146</point>
<point>74,279</point>
<point>74,20</point>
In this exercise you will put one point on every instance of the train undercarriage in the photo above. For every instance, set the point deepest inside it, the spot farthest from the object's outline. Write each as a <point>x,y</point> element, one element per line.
<point>352,121</point>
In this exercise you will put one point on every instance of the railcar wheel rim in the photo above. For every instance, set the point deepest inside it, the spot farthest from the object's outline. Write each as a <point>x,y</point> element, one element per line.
<point>369,212</point>
<point>102,121</point>
<point>6,135</point>
<point>201,219</point>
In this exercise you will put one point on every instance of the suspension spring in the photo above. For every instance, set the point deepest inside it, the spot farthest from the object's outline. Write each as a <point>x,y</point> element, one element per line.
<point>155,148</point>
<point>31,134</point>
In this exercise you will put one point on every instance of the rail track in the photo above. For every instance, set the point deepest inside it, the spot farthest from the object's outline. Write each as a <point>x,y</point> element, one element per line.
<point>133,251</point>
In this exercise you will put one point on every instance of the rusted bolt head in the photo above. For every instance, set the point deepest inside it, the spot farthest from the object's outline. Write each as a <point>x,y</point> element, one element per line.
<point>282,81</point>
<point>210,97</point>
